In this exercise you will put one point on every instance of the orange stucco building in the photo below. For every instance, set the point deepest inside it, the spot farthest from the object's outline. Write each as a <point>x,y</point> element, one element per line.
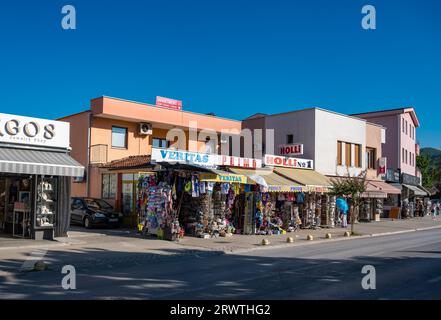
<point>108,141</point>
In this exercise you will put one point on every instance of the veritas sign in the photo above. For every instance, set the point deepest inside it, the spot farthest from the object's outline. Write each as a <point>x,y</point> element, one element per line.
<point>33,131</point>
<point>280,161</point>
<point>179,156</point>
<point>291,149</point>
<point>168,103</point>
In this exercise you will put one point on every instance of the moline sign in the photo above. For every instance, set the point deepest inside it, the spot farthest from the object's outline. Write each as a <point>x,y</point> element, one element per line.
<point>33,131</point>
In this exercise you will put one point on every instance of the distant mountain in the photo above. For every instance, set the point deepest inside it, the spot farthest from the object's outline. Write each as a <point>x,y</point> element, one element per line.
<point>434,154</point>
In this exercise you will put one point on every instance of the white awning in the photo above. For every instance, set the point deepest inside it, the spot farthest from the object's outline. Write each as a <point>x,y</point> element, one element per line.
<point>49,163</point>
<point>417,191</point>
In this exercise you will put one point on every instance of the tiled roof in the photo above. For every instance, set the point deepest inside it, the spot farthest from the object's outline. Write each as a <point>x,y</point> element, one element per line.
<point>129,162</point>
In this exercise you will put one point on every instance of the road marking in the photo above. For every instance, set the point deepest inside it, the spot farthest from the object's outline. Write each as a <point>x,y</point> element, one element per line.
<point>30,261</point>
<point>434,280</point>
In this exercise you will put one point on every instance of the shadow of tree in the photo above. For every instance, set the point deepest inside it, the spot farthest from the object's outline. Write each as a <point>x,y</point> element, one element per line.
<point>194,274</point>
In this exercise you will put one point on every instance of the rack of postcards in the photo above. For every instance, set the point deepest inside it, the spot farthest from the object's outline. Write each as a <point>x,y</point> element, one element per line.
<point>46,205</point>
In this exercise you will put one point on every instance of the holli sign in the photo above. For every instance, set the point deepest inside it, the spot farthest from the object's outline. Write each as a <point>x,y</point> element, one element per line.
<point>291,149</point>
<point>33,131</point>
<point>281,161</point>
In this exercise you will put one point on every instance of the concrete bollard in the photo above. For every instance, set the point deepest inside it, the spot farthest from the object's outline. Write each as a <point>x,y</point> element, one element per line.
<point>328,236</point>
<point>290,239</point>
<point>265,242</point>
<point>309,237</point>
<point>347,234</point>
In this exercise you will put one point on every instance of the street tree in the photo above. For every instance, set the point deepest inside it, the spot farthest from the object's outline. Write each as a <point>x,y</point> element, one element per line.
<point>352,188</point>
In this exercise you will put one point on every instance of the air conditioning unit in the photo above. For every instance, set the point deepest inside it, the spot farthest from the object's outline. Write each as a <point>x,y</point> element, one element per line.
<point>145,129</point>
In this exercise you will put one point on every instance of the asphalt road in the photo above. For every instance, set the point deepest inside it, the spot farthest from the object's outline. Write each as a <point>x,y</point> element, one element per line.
<point>408,266</point>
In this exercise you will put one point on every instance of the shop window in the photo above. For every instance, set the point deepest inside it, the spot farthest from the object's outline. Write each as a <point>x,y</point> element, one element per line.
<point>160,143</point>
<point>371,158</point>
<point>119,137</point>
<point>290,139</point>
<point>339,153</point>
<point>348,155</point>
<point>109,185</point>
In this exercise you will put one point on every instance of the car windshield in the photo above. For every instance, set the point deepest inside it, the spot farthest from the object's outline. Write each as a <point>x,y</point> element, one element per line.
<point>98,203</point>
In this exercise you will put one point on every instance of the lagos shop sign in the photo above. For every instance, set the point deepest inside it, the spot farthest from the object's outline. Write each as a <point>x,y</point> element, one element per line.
<point>280,161</point>
<point>33,131</point>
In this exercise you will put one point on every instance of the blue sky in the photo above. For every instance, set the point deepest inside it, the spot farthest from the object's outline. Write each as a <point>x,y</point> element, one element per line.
<point>234,58</point>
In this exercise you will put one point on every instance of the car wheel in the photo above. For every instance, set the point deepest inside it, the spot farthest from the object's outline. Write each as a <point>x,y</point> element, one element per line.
<point>87,223</point>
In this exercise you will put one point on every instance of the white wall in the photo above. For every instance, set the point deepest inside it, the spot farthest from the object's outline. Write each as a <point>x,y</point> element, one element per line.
<point>332,127</point>
<point>300,124</point>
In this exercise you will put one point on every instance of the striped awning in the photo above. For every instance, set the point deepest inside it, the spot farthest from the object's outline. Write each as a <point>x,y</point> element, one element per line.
<point>49,163</point>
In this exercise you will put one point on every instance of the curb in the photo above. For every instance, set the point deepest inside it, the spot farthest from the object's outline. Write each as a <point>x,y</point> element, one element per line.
<point>297,244</point>
<point>244,250</point>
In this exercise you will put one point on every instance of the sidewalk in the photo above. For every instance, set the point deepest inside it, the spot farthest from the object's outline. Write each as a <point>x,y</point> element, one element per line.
<point>111,247</point>
<point>131,241</point>
<point>242,243</point>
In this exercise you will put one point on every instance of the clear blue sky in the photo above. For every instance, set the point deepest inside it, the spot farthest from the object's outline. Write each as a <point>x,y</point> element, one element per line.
<point>234,58</point>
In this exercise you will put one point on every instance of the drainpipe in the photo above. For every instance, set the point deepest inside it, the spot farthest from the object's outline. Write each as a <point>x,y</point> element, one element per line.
<point>88,155</point>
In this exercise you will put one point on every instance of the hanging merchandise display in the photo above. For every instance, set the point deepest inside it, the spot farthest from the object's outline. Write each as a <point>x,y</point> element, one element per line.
<point>155,208</point>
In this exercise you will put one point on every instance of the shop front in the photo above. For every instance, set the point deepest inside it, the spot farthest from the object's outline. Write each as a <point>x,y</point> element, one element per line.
<point>35,174</point>
<point>412,196</point>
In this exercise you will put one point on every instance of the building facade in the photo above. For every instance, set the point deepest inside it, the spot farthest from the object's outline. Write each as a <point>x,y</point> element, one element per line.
<point>109,141</point>
<point>339,145</point>
<point>401,149</point>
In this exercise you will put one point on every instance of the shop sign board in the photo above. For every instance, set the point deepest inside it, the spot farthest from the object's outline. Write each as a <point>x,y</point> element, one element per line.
<point>233,161</point>
<point>187,157</point>
<point>34,131</point>
<point>410,180</point>
<point>392,176</point>
<point>281,161</point>
<point>169,103</point>
<point>229,178</point>
<point>382,165</point>
<point>291,149</point>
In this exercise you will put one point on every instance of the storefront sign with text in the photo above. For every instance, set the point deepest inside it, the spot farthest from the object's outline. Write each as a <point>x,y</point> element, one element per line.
<point>291,149</point>
<point>238,162</point>
<point>169,103</point>
<point>280,161</point>
<point>179,156</point>
<point>33,131</point>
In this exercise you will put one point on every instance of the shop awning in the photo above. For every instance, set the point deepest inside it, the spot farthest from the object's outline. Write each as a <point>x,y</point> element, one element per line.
<point>416,191</point>
<point>385,187</point>
<point>50,163</point>
<point>313,180</point>
<point>224,176</point>
<point>270,180</point>
<point>373,192</point>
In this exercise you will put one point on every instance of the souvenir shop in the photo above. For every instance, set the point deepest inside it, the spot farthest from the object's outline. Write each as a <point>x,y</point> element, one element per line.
<point>35,177</point>
<point>189,200</point>
<point>277,205</point>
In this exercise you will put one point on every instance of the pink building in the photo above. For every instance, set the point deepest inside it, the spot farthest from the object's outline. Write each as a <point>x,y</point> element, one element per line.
<point>400,148</point>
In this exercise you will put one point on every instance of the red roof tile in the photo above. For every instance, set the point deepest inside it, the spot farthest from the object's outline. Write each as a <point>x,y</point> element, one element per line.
<point>129,162</point>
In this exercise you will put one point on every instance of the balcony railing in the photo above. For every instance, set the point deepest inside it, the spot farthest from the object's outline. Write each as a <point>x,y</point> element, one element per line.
<point>98,154</point>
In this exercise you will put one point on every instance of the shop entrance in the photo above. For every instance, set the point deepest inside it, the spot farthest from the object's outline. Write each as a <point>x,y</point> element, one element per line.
<point>16,192</point>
